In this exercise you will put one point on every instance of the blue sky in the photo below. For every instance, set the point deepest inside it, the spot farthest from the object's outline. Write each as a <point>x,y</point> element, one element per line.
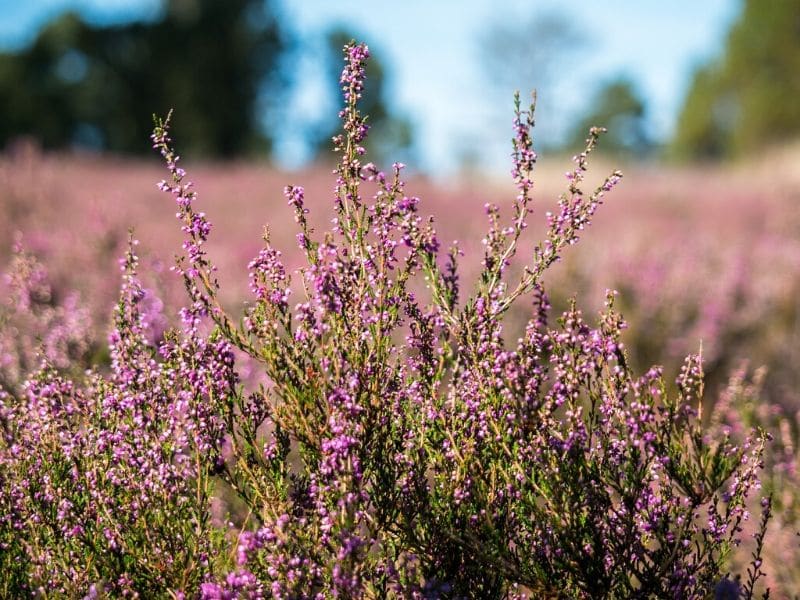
<point>431,49</point>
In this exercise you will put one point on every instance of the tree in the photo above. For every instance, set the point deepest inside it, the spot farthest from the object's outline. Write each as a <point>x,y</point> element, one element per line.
<point>619,107</point>
<point>747,99</point>
<point>99,87</point>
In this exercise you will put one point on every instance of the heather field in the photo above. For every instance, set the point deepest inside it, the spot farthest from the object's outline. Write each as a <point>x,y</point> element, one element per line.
<point>703,259</point>
<point>223,381</point>
<point>700,255</point>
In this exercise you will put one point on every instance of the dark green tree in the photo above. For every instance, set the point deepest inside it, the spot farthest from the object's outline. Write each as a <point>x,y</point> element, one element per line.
<point>213,62</point>
<point>747,99</point>
<point>619,107</point>
<point>391,135</point>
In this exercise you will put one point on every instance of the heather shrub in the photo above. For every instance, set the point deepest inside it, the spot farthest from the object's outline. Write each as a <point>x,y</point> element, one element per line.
<point>35,322</point>
<point>737,299</point>
<point>104,486</point>
<point>740,408</point>
<point>398,444</point>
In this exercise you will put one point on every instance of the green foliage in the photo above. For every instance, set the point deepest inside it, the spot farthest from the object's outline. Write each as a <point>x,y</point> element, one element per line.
<point>748,98</point>
<point>98,87</point>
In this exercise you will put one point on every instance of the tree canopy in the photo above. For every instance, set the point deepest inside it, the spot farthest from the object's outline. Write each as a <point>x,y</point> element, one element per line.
<point>98,87</point>
<point>747,99</point>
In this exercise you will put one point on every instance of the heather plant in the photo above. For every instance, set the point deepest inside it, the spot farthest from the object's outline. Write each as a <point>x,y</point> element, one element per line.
<point>739,408</point>
<point>403,448</point>
<point>35,323</point>
<point>727,298</point>
<point>398,446</point>
<point>104,489</point>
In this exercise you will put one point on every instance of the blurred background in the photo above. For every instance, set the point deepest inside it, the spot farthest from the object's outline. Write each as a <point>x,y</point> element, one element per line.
<point>687,80</point>
<point>702,237</point>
